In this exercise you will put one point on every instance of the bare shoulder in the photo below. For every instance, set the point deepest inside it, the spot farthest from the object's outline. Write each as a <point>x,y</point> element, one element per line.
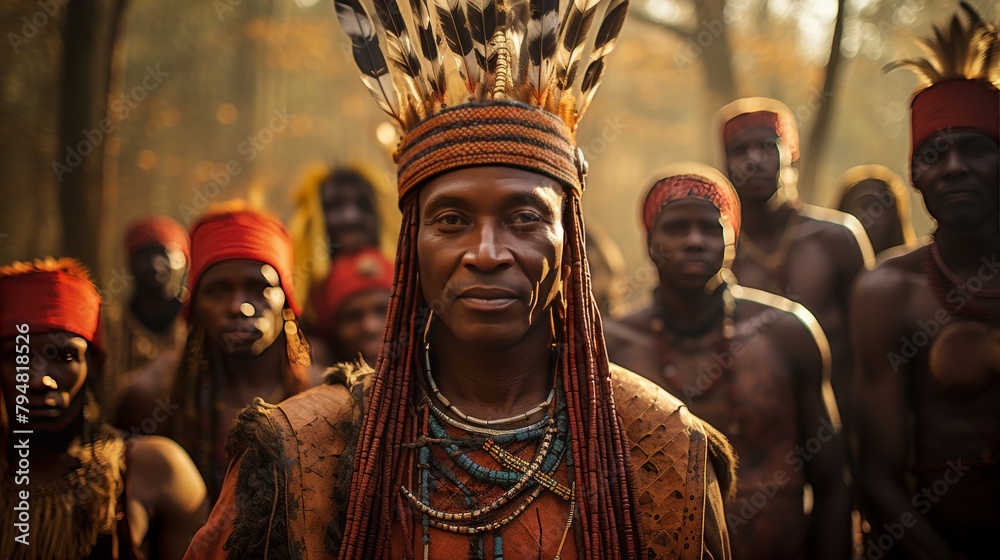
<point>893,277</point>
<point>155,457</point>
<point>626,328</point>
<point>840,232</point>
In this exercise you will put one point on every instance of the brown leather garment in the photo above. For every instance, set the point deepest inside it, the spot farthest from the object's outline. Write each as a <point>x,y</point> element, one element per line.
<point>676,490</point>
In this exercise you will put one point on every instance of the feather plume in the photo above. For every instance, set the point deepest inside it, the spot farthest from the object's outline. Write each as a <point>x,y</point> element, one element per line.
<point>451,16</point>
<point>357,24</point>
<point>573,40</point>
<point>397,38</point>
<point>604,43</point>
<point>957,51</point>
<point>482,15</point>
<point>430,44</point>
<point>403,56</point>
<point>541,43</point>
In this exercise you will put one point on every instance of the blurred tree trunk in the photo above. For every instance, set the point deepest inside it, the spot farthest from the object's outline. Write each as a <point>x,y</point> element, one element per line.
<point>706,41</point>
<point>820,133</point>
<point>88,45</point>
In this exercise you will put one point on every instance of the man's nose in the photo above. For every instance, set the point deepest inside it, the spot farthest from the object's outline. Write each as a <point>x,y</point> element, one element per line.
<point>488,251</point>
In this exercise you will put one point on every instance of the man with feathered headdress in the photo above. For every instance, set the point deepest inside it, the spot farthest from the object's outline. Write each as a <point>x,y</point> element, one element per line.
<point>752,363</point>
<point>493,425</point>
<point>927,323</point>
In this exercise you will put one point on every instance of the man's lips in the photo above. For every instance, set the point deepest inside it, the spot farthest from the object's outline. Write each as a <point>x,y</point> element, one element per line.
<point>242,335</point>
<point>693,267</point>
<point>487,298</point>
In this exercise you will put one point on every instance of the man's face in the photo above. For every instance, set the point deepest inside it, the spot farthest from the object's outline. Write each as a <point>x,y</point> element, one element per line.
<point>957,173</point>
<point>351,219</point>
<point>359,325</point>
<point>53,382</point>
<point>489,247</point>
<point>239,303</point>
<point>873,204</point>
<point>752,163</point>
<point>158,270</point>
<point>687,244</point>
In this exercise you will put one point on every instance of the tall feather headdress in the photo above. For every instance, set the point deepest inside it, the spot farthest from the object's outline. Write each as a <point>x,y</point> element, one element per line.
<point>548,54</point>
<point>960,78</point>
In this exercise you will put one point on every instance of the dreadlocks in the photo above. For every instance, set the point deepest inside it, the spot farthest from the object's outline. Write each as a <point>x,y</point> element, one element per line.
<point>602,466</point>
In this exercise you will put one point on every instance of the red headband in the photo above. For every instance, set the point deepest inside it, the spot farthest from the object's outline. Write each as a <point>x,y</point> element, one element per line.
<point>765,119</point>
<point>720,194</point>
<point>157,231</point>
<point>351,275</point>
<point>957,103</point>
<point>241,235</point>
<point>49,300</point>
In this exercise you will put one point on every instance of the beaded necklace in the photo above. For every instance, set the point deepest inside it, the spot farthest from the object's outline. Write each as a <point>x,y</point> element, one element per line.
<point>978,304</point>
<point>522,480</point>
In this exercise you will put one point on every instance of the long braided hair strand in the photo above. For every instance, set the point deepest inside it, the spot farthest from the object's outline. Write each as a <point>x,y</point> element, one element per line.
<point>609,528</point>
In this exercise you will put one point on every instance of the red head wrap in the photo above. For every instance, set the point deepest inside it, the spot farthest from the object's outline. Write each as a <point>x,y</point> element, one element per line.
<point>49,295</point>
<point>957,103</point>
<point>241,234</point>
<point>689,179</point>
<point>751,112</point>
<point>157,231</point>
<point>349,276</point>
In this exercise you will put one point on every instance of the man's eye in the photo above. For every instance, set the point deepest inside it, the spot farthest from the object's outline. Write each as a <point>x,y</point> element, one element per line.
<point>450,220</point>
<point>771,146</point>
<point>526,218</point>
<point>67,356</point>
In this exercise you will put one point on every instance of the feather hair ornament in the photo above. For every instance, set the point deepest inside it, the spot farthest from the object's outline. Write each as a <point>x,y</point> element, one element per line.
<point>960,82</point>
<point>957,51</point>
<point>527,51</point>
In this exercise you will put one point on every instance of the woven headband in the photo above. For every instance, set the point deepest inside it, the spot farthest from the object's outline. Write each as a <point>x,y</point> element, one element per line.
<point>494,133</point>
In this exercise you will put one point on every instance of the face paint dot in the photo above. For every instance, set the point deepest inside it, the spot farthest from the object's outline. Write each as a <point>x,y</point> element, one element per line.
<point>247,309</point>
<point>49,382</point>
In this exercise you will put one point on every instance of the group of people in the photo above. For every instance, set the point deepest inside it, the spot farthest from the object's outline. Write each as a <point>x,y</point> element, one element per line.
<point>292,393</point>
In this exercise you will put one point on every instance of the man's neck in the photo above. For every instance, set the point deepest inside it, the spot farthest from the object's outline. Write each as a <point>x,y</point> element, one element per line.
<point>257,373</point>
<point>493,383</point>
<point>762,220</point>
<point>967,251</point>
<point>155,311</point>
<point>688,309</point>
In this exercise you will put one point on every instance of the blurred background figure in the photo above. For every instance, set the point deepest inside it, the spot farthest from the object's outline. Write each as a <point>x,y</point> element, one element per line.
<point>810,255</point>
<point>146,334</point>
<point>750,363</point>
<point>244,340</point>
<point>351,309</point>
<point>94,492</point>
<point>878,198</point>
<point>338,211</point>
<point>607,271</point>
